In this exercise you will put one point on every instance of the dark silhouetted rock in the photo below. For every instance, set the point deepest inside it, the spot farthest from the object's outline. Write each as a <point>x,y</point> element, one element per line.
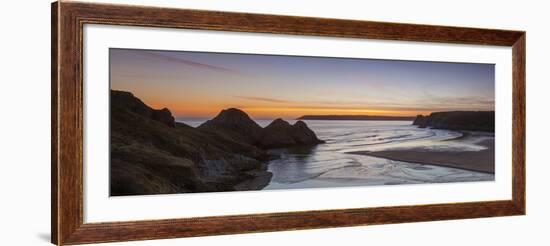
<point>280,134</point>
<point>421,121</point>
<point>127,101</point>
<point>237,125</point>
<point>165,116</point>
<point>277,134</point>
<point>234,122</point>
<point>303,135</point>
<point>459,120</point>
<point>147,157</point>
<point>153,154</point>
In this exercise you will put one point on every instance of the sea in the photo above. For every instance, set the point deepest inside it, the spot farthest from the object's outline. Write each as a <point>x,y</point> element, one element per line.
<point>333,165</point>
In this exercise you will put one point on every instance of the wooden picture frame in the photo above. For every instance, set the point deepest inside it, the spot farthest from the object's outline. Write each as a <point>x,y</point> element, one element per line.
<point>68,19</point>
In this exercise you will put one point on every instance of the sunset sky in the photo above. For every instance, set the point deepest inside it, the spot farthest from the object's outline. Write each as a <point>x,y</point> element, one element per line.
<point>199,85</point>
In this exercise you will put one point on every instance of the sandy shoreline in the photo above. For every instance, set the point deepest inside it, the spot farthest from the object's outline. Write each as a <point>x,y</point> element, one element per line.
<point>479,161</point>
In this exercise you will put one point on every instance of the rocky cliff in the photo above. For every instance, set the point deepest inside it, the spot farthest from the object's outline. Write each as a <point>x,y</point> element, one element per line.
<point>121,100</point>
<point>458,120</point>
<point>153,154</point>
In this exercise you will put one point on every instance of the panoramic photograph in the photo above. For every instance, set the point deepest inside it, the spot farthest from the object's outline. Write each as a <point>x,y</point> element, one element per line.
<point>192,122</point>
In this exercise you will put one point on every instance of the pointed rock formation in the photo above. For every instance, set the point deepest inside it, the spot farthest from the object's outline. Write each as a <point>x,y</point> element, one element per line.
<point>304,135</point>
<point>280,134</point>
<point>277,134</point>
<point>234,122</point>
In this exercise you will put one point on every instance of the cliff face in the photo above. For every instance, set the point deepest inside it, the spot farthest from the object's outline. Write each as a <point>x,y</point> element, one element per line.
<point>459,120</point>
<point>153,154</point>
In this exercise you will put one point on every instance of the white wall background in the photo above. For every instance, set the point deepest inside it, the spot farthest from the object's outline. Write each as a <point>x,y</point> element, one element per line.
<point>25,122</point>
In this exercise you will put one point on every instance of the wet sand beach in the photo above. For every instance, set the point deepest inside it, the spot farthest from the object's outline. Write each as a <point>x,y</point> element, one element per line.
<point>370,153</point>
<point>480,161</point>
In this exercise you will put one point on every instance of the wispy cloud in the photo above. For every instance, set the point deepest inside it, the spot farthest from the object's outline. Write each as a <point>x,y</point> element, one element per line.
<point>473,102</point>
<point>264,99</point>
<point>425,105</point>
<point>467,101</point>
<point>191,63</point>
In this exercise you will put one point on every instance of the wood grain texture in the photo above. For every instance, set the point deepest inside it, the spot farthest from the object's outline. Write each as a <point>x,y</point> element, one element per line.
<point>68,19</point>
<point>147,230</point>
<point>260,23</point>
<point>68,137</point>
<point>518,123</point>
<point>54,124</point>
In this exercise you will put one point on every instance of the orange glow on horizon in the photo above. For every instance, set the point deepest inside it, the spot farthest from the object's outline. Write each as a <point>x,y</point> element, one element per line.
<point>295,112</point>
<point>208,109</point>
<point>289,112</point>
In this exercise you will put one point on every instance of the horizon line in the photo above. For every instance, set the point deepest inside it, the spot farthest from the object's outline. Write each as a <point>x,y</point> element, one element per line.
<point>327,115</point>
<point>310,115</point>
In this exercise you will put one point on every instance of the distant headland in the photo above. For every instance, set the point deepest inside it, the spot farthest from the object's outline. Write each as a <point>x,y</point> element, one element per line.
<point>355,117</point>
<point>458,120</point>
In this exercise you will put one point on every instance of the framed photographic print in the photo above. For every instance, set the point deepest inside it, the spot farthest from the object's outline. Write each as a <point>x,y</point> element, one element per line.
<point>176,123</point>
